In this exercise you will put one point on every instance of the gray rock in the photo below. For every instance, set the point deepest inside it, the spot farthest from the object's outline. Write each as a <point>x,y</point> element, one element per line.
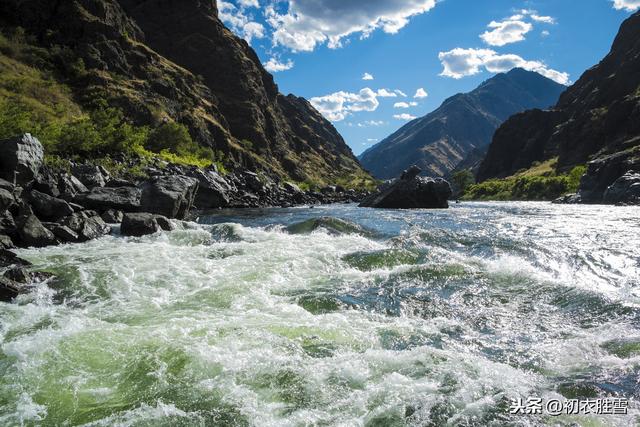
<point>292,188</point>
<point>6,242</point>
<point>9,259</point>
<point>164,223</point>
<point>171,196</point>
<point>6,199</point>
<point>65,234</point>
<point>112,216</point>
<point>18,275</point>
<point>92,228</point>
<point>48,207</point>
<point>9,289</point>
<point>624,190</point>
<point>139,224</point>
<point>126,199</point>
<point>120,183</point>
<point>47,182</point>
<point>90,176</point>
<point>33,233</point>
<point>20,159</point>
<point>213,190</point>
<point>6,185</point>
<point>411,192</point>
<point>70,186</point>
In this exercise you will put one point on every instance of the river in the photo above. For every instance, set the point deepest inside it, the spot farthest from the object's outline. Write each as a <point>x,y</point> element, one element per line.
<point>372,317</point>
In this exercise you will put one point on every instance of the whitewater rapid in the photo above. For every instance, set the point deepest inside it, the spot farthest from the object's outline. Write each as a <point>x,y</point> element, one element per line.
<point>372,317</point>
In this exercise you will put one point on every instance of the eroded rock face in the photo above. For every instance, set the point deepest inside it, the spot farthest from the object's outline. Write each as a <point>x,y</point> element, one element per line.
<point>411,192</point>
<point>48,207</point>
<point>21,158</point>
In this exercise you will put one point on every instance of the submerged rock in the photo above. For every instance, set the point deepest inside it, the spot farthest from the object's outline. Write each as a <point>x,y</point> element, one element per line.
<point>9,289</point>
<point>332,225</point>
<point>139,224</point>
<point>21,158</point>
<point>411,192</point>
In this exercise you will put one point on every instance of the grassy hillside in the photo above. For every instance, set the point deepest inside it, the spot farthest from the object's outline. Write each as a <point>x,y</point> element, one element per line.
<point>540,182</point>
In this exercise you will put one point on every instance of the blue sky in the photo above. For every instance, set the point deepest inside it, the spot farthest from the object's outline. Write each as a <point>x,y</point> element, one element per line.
<point>370,66</point>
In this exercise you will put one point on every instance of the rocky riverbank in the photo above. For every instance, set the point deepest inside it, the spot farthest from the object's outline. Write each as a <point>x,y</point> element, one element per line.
<point>41,207</point>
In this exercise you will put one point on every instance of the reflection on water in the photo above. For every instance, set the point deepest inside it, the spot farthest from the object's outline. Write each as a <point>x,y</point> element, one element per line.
<point>333,316</point>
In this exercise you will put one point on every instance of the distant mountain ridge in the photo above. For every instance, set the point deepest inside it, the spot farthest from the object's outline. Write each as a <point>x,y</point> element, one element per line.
<point>597,117</point>
<point>460,130</point>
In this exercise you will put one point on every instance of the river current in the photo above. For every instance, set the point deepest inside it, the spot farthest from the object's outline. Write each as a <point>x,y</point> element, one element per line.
<point>335,315</point>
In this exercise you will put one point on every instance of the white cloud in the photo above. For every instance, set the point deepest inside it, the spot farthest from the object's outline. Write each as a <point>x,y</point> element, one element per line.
<point>543,19</point>
<point>384,93</point>
<point>274,65</point>
<point>309,23</point>
<point>372,140</point>
<point>421,93</point>
<point>249,3</point>
<point>545,33</point>
<point>505,32</point>
<point>628,5</point>
<point>367,76</point>
<point>374,123</point>
<point>400,93</point>
<point>405,104</point>
<point>404,116</point>
<point>458,63</point>
<point>337,106</point>
<point>238,21</point>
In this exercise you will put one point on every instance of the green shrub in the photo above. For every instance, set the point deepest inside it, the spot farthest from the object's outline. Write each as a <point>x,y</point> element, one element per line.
<point>172,141</point>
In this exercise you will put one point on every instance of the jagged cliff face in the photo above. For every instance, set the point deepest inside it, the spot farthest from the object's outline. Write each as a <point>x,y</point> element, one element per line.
<point>460,130</point>
<point>597,116</point>
<point>175,58</point>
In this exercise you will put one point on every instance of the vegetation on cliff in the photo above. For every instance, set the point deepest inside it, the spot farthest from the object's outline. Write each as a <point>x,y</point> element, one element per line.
<point>95,79</point>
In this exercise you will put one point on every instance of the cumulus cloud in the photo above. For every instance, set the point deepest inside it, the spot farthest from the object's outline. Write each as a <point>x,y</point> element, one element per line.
<point>404,116</point>
<point>238,21</point>
<point>404,104</point>
<point>367,76</point>
<point>337,106</point>
<point>628,5</point>
<point>505,32</point>
<point>421,93</point>
<point>309,23</point>
<point>458,63</point>
<point>274,65</point>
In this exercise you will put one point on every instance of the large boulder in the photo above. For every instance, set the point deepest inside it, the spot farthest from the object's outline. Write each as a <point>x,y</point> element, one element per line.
<point>213,190</point>
<point>139,224</point>
<point>624,190</point>
<point>411,192</point>
<point>20,159</point>
<point>33,233</point>
<point>48,207</point>
<point>126,199</point>
<point>171,196</point>
<point>92,228</point>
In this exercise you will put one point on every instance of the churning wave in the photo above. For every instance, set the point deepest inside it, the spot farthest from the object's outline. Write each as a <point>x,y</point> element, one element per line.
<point>332,316</point>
